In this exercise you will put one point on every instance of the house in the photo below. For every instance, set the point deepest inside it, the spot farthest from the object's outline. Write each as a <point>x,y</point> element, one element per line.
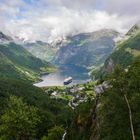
<point>54,93</point>
<point>101,88</point>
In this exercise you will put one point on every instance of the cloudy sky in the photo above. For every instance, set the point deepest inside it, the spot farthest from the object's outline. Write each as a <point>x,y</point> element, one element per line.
<point>50,19</point>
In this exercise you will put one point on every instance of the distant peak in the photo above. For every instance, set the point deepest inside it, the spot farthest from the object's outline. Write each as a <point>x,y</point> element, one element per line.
<point>134,29</point>
<point>4,38</point>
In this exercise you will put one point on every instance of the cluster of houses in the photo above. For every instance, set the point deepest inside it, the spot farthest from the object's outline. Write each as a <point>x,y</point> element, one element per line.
<point>77,99</point>
<point>77,93</point>
<point>99,89</point>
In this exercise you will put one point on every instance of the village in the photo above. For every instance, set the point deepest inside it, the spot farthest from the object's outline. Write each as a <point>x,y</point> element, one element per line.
<point>76,94</point>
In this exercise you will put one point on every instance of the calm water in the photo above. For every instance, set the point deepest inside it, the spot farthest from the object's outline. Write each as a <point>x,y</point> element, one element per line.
<point>56,79</point>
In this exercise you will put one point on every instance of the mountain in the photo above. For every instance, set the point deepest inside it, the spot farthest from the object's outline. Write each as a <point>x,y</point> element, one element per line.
<point>86,50</point>
<point>124,54</point>
<point>117,106</point>
<point>41,50</point>
<point>135,29</point>
<point>78,112</point>
<point>27,112</point>
<point>5,38</point>
<point>17,62</point>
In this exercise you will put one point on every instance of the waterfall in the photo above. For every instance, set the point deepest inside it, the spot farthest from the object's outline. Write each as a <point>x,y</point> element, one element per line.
<point>64,135</point>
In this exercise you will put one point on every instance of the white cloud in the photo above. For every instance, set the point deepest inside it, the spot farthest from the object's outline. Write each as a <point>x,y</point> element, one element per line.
<point>49,19</point>
<point>125,7</point>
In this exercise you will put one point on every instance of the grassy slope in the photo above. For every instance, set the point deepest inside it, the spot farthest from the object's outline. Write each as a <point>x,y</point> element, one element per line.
<point>124,54</point>
<point>41,50</point>
<point>19,63</point>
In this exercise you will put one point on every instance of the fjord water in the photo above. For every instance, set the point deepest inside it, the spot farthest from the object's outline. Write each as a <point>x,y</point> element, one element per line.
<point>57,78</point>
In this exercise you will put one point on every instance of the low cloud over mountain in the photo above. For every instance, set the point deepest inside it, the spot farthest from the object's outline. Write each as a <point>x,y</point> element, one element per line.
<point>49,19</point>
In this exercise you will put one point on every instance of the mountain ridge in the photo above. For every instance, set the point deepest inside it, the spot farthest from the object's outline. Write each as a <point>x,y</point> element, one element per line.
<point>126,51</point>
<point>17,62</point>
<point>85,50</point>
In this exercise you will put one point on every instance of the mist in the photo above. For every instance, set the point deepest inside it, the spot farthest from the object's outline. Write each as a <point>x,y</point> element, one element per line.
<point>48,20</point>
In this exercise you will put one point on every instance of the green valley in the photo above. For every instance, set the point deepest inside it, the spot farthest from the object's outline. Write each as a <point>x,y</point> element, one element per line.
<point>41,50</point>
<point>103,109</point>
<point>18,63</point>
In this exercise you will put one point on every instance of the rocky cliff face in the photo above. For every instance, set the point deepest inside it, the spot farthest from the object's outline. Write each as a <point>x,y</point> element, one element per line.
<point>133,30</point>
<point>4,38</point>
<point>86,50</point>
<point>124,54</point>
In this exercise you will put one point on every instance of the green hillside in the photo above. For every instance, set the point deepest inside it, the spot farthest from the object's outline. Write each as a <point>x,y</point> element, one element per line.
<point>16,62</point>
<point>26,112</point>
<point>126,52</point>
<point>107,117</point>
<point>41,50</point>
<point>114,113</point>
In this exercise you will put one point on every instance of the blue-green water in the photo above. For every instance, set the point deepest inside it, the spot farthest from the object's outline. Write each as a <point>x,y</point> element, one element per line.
<point>57,78</point>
